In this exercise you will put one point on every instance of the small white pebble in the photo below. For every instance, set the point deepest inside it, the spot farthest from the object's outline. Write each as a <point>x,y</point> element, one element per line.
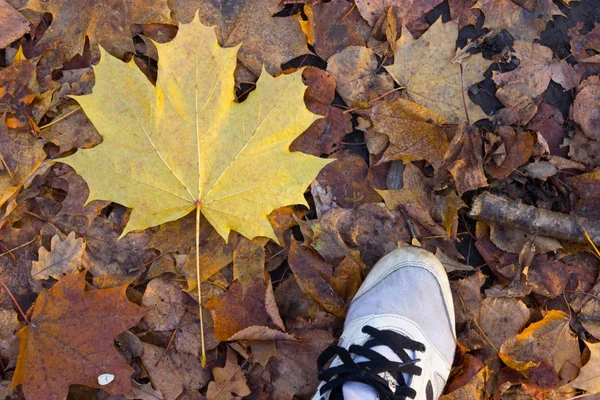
<point>105,379</point>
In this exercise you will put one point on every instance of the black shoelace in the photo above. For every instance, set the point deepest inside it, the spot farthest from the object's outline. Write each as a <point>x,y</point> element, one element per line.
<point>368,371</point>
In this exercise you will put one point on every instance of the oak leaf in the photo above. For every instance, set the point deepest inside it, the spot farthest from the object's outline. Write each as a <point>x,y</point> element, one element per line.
<point>70,340</point>
<point>63,258</point>
<point>426,69</point>
<point>185,144</point>
<point>107,22</point>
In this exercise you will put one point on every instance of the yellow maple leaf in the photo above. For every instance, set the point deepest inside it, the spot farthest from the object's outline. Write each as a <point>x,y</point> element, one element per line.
<point>425,67</point>
<point>186,143</point>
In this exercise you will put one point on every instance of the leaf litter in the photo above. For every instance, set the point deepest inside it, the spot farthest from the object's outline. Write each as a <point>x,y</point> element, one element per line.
<point>402,121</point>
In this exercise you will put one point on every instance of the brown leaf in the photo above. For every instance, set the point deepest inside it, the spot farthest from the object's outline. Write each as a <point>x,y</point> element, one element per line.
<point>584,47</point>
<point>107,23</point>
<point>9,345</point>
<point>414,131</point>
<point>315,277</point>
<point>464,159</point>
<point>294,371</point>
<point>517,89</point>
<point>470,384</point>
<point>13,24</point>
<point>347,279</point>
<point>585,150</point>
<point>589,376</point>
<point>523,24</point>
<point>549,123</point>
<point>75,131</point>
<point>585,110</point>
<point>174,373</point>
<point>333,26</point>
<point>266,40</point>
<point>247,313</point>
<point>587,187</point>
<point>70,340</point>
<point>549,340</point>
<point>344,183</point>
<point>462,9</point>
<point>325,134</point>
<point>409,11</point>
<point>20,156</point>
<point>501,318</point>
<point>518,146</point>
<point>358,76</point>
<point>63,259</point>
<point>230,381</point>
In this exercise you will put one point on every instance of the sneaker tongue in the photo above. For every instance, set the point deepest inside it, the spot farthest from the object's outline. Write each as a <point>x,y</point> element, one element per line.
<point>361,391</point>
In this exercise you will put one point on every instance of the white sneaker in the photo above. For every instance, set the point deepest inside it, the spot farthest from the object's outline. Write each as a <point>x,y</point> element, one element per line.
<point>399,336</point>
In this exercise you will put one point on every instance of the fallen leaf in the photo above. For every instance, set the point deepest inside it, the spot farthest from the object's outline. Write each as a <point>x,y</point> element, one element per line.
<point>70,340</point>
<point>163,180</point>
<point>414,131</point>
<point>13,24</point>
<point>106,23</point>
<point>464,11</point>
<point>585,112</point>
<point>63,258</point>
<point>247,313</point>
<point>549,340</point>
<point>9,345</point>
<point>315,277</point>
<point>585,150</point>
<point>425,67</point>
<point>344,183</point>
<point>325,135</point>
<point>521,23</point>
<point>589,376</point>
<point>333,26</point>
<point>20,156</point>
<point>518,146</point>
<point>464,159</point>
<point>474,389</point>
<point>358,76</point>
<point>518,88</point>
<point>581,44</point>
<point>174,373</point>
<point>230,381</point>
<point>587,187</point>
<point>450,264</point>
<point>408,10</point>
<point>73,132</point>
<point>549,123</point>
<point>266,40</point>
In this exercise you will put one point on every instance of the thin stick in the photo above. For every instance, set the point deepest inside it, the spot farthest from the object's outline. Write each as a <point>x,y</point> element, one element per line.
<point>6,167</point>
<point>59,118</point>
<point>14,301</point>
<point>198,284</point>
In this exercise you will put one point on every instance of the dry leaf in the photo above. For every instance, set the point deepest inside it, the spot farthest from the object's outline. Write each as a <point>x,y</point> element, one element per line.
<point>414,131</point>
<point>63,258</point>
<point>333,26</point>
<point>523,24</point>
<point>174,373</point>
<point>13,24</point>
<point>107,23</point>
<point>585,110</point>
<point>20,156</point>
<point>236,153</point>
<point>549,340</point>
<point>359,80</point>
<point>230,382</point>
<point>315,278</point>
<point>408,10</point>
<point>589,376</point>
<point>70,340</point>
<point>424,67</point>
<point>266,40</point>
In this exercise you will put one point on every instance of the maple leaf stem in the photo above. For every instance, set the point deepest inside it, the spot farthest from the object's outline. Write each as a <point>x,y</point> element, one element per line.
<point>198,284</point>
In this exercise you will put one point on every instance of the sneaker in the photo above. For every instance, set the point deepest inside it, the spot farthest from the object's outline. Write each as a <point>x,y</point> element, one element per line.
<point>399,337</point>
